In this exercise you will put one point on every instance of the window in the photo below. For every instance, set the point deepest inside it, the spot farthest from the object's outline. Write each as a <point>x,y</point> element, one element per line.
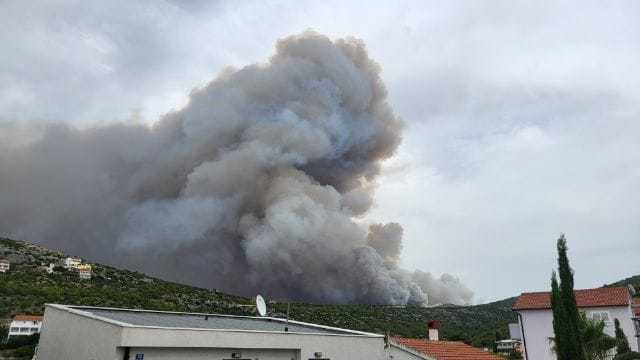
<point>34,329</point>
<point>599,316</point>
<point>14,329</point>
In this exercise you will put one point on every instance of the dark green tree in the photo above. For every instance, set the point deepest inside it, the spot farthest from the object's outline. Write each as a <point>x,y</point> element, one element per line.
<point>569,322</point>
<point>559,321</point>
<point>597,344</point>
<point>623,344</point>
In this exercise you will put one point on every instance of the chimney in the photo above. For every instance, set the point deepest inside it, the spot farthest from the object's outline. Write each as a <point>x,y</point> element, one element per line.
<point>433,327</point>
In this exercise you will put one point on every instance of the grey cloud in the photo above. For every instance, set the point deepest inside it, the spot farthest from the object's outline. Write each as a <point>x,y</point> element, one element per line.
<point>249,188</point>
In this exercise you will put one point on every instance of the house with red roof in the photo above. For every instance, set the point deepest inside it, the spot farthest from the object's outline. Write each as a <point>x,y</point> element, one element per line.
<point>446,350</point>
<point>536,319</point>
<point>24,325</point>
<point>435,349</point>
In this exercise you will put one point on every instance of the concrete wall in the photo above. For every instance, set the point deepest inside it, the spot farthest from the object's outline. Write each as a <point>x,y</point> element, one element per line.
<point>538,328</point>
<point>67,336</point>
<point>331,346</point>
<point>211,354</point>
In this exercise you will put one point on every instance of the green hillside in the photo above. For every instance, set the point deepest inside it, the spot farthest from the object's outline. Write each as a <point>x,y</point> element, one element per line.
<point>27,287</point>
<point>633,280</point>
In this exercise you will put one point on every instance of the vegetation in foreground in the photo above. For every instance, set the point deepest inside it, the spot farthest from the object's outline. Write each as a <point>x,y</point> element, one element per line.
<point>577,337</point>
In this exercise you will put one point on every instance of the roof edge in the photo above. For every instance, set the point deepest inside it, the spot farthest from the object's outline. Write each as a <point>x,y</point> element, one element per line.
<point>77,310</point>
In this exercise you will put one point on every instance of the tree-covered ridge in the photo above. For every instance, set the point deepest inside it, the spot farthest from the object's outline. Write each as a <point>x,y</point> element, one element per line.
<point>632,280</point>
<point>27,287</point>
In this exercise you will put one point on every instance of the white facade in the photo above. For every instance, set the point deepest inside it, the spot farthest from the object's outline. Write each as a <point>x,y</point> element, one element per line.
<point>24,327</point>
<point>72,262</point>
<point>82,333</point>
<point>4,266</point>
<point>537,328</point>
<point>84,271</point>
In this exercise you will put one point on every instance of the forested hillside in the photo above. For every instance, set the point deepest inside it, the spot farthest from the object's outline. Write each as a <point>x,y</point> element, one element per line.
<point>27,287</point>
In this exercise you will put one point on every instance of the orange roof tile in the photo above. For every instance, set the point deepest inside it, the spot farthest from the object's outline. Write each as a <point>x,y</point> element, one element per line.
<point>636,307</point>
<point>27,318</point>
<point>618,296</point>
<point>446,350</point>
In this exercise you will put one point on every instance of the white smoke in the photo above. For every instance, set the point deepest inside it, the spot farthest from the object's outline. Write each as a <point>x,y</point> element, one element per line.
<point>252,187</point>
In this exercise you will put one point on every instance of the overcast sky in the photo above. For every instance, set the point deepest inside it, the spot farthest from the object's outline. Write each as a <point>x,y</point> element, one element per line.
<point>522,117</point>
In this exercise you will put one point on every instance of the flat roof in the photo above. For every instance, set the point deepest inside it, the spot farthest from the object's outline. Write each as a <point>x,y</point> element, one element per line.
<point>201,321</point>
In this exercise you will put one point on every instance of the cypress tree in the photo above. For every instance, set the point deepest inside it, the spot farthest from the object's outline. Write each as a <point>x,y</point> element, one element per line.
<point>572,341</point>
<point>623,343</point>
<point>558,320</point>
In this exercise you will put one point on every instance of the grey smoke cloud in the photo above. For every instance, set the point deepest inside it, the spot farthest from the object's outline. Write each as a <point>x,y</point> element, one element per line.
<point>252,187</point>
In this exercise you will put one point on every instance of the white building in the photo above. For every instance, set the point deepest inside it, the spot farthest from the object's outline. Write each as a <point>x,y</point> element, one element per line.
<point>636,319</point>
<point>536,319</point>
<point>25,325</point>
<point>84,271</point>
<point>5,265</point>
<point>49,269</point>
<point>507,347</point>
<point>71,262</point>
<point>78,332</point>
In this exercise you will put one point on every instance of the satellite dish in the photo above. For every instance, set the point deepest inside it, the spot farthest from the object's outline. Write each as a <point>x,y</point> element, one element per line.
<point>261,306</point>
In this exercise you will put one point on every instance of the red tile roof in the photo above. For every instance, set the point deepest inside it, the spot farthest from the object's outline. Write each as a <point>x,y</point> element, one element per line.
<point>618,296</point>
<point>446,350</point>
<point>636,307</point>
<point>27,318</point>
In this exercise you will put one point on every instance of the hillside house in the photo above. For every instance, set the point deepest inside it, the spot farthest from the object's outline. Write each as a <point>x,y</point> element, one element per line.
<point>83,332</point>
<point>434,348</point>
<point>508,347</point>
<point>71,262</point>
<point>84,271</point>
<point>24,325</point>
<point>536,318</point>
<point>5,265</point>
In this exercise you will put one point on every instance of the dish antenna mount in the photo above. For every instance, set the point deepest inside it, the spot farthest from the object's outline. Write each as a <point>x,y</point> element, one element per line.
<point>261,306</point>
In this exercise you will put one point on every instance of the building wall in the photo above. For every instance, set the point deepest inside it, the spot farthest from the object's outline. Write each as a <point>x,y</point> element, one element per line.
<point>211,354</point>
<point>69,336</point>
<point>15,326</point>
<point>331,346</point>
<point>538,328</point>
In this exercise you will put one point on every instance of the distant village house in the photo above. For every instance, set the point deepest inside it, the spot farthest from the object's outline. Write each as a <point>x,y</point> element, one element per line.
<point>72,262</point>
<point>5,265</point>
<point>536,318</point>
<point>25,325</point>
<point>84,271</point>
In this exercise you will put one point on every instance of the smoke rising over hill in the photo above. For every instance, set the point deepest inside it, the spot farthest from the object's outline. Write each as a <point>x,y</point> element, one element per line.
<point>251,187</point>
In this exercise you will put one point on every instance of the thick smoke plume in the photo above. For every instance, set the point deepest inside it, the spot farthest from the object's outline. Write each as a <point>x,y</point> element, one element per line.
<point>252,187</point>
